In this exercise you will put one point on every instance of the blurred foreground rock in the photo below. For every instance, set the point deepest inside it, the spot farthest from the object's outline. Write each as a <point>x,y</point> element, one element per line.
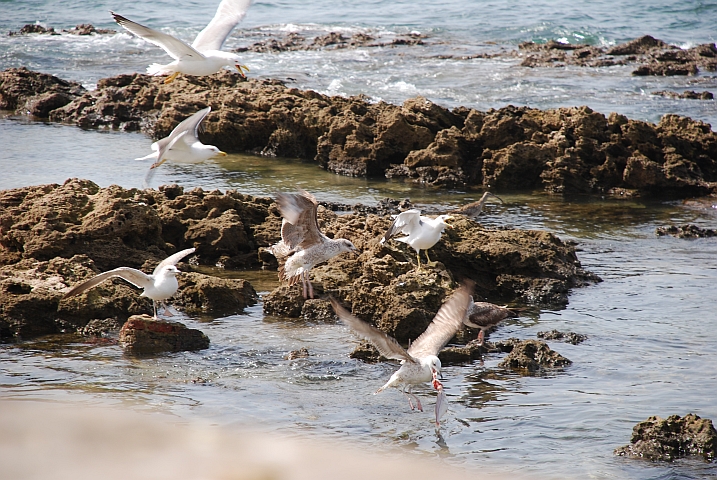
<point>670,438</point>
<point>76,442</point>
<point>142,335</point>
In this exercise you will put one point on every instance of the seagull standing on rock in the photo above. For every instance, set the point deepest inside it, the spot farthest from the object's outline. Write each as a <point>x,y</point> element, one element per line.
<point>158,286</point>
<point>420,363</point>
<point>422,232</point>
<point>302,244</point>
<point>204,56</point>
<point>485,315</point>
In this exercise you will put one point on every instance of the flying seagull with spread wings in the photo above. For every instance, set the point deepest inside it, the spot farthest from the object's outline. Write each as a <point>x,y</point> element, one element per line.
<point>302,244</point>
<point>204,56</point>
<point>182,145</point>
<point>158,286</point>
<point>421,232</point>
<point>474,209</point>
<point>420,362</point>
<point>485,315</point>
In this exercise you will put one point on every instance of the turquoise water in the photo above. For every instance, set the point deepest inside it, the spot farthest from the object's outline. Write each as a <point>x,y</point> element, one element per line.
<point>395,73</point>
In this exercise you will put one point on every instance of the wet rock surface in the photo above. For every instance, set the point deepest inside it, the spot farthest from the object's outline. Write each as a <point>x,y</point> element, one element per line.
<point>671,438</point>
<point>27,92</point>
<point>687,94</point>
<point>219,296</point>
<point>564,151</point>
<point>653,56</point>
<point>531,356</point>
<point>82,29</point>
<point>142,335</point>
<point>567,337</point>
<point>686,231</point>
<point>293,41</point>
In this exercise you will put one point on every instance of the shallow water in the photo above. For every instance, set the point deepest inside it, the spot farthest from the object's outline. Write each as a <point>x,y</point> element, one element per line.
<point>650,323</point>
<point>650,327</point>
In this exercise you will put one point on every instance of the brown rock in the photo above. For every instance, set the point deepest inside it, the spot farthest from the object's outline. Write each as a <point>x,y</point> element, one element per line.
<point>671,438</point>
<point>567,337</point>
<point>565,150</point>
<point>142,335</point>
<point>686,231</point>
<point>22,90</point>
<point>384,287</point>
<point>532,355</point>
<point>303,352</point>
<point>219,296</point>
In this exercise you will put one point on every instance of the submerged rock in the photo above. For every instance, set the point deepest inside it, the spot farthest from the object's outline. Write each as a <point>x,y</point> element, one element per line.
<point>533,355</point>
<point>671,438</point>
<point>142,335</point>
<point>303,352</point>
<point>567,337</point>
<point>564,150</point>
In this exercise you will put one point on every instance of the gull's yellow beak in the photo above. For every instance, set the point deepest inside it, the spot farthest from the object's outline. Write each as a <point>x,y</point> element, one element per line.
<point>447,218</point>
<point>223,154</point>
<point>241,69</point>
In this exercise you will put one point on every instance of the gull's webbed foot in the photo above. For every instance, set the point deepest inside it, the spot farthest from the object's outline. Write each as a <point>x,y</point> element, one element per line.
<point>171,78</point>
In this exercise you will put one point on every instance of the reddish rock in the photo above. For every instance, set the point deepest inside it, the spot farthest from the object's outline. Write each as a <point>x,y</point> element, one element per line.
<point>141,334</point>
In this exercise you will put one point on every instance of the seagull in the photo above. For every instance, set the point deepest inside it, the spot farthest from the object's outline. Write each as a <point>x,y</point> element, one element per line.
<point>474,209</point>
<point>422,232</point>
<point>159,286</point>
<point>420,363</point>
<point>204,56</point>
<point>485,315</point>
<point>182,145</point>
<point>302,243</point>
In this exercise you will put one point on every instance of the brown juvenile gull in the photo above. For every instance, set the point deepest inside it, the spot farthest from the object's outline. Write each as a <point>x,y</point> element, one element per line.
<point>473,210</point>
<point>158,286</point>
<point>422,232</point>
<point>302,243</point>
<point>420,363</point>
<point>485,315</point>
<point>204,56</point>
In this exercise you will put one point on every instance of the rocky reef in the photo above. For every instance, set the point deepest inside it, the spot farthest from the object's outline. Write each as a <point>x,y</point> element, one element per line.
<point>54,236</point>
<point>667,439</point>
<point>383,285</point>
<point>564,151</point>
<point>142,335</point>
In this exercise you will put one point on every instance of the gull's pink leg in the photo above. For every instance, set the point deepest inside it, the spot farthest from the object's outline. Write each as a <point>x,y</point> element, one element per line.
<point>311,287</point>
<point>303,286</point>
<point>418,403</point>
<point>408,396</point>
<point>481,338</point>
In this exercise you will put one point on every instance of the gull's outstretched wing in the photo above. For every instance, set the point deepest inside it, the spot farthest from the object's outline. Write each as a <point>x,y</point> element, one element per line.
<point>445,324</point>
<point>404,223</point>
<point>173,46</point>
<point>229,14</point>
<point>133,276</point>
<point>300,228</point>
<point>166,147</point>
<point>173,259</point>
<point>386,345</point>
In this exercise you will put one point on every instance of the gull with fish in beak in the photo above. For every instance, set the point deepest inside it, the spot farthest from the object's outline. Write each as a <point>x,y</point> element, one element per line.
<point>419,363</point>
